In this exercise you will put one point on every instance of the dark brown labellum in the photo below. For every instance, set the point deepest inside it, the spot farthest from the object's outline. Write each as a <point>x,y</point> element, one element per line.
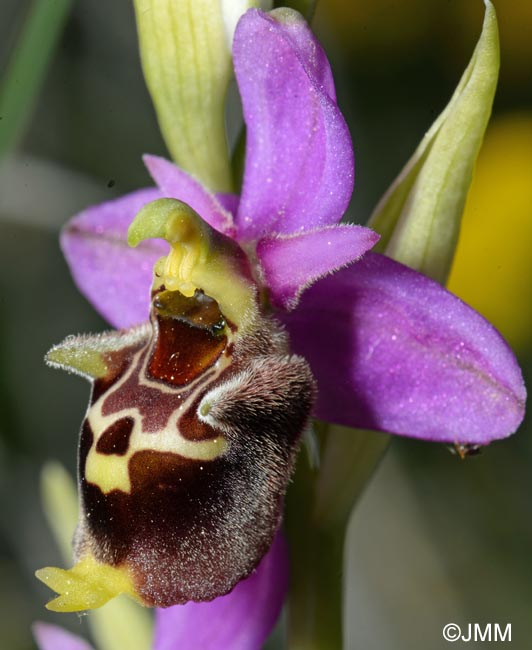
<point>187,450</point>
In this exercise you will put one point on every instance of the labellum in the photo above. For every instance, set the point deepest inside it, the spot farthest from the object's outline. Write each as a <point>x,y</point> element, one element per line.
<point>190,437</point>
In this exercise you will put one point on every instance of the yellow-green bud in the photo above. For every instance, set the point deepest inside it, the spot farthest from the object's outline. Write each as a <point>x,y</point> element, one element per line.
<point>419,216</point>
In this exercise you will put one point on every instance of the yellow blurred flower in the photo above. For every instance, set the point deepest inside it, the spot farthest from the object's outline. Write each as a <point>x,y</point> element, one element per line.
<point>493,269</point>
<point>380,27</point>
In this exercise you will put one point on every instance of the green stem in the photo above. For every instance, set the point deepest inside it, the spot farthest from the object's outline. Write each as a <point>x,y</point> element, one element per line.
<point>349,460</point>
<point>314,606</point>
<point>27,68</point>
<point>318,508</point>
<point>315,601</point>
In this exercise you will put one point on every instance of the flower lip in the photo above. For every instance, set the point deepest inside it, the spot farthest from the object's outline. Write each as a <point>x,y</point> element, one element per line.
<point>242,618</point>
<point>193,418</point>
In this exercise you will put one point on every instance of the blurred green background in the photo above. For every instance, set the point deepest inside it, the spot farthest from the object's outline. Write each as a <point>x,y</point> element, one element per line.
<point>435,539</point>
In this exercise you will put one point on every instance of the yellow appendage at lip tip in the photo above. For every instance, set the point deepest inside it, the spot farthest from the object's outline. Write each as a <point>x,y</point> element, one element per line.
<point>87,585</point>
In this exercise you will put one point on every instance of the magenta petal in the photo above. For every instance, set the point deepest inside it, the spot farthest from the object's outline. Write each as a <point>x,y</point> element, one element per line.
<point>308,49</point>
<point>242,620</point>
<point>52,637</point>
<point>299,159</point>
<point>394,351</point>
<point>176,184</point>
<point>290,264</point>
<point>113,276</point>
<point>230,203</point>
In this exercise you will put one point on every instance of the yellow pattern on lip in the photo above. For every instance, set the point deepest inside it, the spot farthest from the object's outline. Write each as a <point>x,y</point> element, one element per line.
<point>111,472</point>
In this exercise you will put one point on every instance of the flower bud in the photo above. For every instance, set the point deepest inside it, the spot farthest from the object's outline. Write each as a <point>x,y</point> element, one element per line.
<point>185,49</point>
<point>419,216</point>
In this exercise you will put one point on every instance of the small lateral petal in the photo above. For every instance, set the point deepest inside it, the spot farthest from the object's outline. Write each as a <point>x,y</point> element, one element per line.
<point>290,264</point>
<point>298,148</point>
<point>174,183</point>
<point>394,351</point>
<point>241,620</point>
<point>114,277</point>
<point>53,637</point>
<point>91,356</point>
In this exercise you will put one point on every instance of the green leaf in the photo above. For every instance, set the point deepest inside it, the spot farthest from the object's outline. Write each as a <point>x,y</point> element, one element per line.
<point>120,624</point>
<point>348,461</point>
<point>186,59</point>
<point>419,216</point>
<point>27,68</point>
<point>60,505</point>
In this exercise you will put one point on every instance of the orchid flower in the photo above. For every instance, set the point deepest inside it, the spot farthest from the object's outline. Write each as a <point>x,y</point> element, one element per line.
<point>264,310</point>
